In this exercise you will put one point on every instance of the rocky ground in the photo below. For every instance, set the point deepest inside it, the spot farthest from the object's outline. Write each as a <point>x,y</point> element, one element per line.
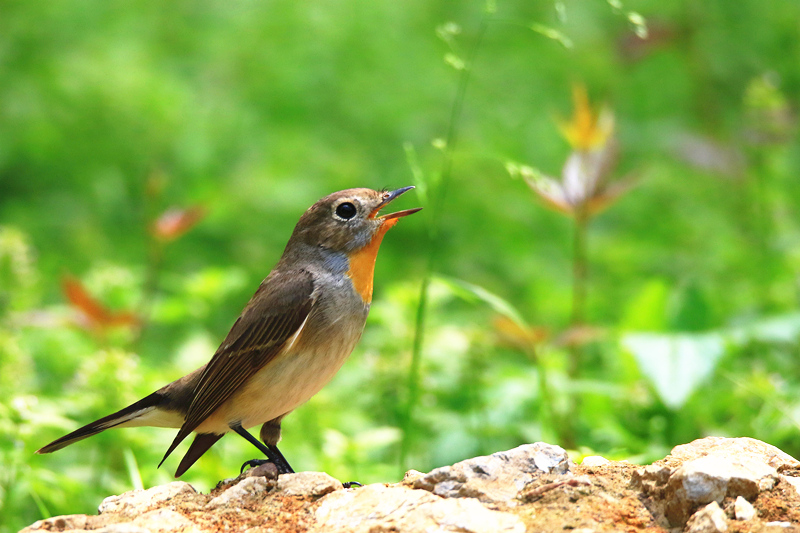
<point>710,485</point>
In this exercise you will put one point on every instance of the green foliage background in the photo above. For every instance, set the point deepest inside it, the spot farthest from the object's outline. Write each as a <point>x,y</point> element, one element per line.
<point>111,112</point>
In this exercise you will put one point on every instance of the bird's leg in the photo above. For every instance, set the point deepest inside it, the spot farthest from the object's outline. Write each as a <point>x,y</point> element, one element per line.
<point>274,455</point>
<point>271,435</point>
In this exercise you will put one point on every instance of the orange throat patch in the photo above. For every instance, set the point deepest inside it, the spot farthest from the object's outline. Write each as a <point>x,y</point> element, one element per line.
<point>362,263</point>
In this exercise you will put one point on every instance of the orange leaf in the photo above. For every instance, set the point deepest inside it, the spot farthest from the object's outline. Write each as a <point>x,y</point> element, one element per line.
<point>174,222</point>
<point>515,335</point>
<point>96,314</point>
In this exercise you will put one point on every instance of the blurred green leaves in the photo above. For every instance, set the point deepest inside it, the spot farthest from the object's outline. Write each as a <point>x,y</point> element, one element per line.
<point>113,114</point>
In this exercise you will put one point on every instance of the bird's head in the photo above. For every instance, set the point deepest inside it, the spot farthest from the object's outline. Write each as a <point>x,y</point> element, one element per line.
<point>347,221</point>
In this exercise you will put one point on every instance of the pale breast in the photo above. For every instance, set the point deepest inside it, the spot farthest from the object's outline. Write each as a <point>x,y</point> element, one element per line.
<point>322,346</point>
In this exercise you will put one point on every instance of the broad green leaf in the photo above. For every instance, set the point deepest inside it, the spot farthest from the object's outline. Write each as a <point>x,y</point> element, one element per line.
<point>647,310</point>
<point>676,364</point>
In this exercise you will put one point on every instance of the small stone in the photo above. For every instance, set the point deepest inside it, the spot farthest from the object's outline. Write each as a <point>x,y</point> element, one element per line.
<point>135,501</point>
<point>313,484</point>
<point>703,480</point>
<point>793,481</point>
<point>240,491</point>
<point>711,478</point>
<point>267,470</point>
<point>594,460</point>
<point>743,509</point>
<point>412,476</point>
<point>498,477</point>
<point>709,519</point>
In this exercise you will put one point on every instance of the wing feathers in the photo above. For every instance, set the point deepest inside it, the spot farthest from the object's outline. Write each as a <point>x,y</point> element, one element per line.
<point>273,317</point>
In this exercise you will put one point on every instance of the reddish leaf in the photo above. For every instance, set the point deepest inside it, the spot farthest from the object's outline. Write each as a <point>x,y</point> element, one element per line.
<point>174,222</point>
<point>97,316</point>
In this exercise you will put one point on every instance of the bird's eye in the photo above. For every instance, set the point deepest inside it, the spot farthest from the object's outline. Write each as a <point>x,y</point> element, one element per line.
<point>346,210</point>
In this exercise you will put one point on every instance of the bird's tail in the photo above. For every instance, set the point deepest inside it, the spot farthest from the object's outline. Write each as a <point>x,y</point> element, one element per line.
<point>202,442</point>
<point>125,416</point>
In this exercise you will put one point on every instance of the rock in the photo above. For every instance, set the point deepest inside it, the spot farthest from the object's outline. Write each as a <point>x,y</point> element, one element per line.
<point>793,481</point>
<point>134,502</point>
<point>650,478</point>
<point>240,491</point>
<point>683,491</point>
<point>709,470</point>
<point>267,470</point>
<point>123,527</point>
<point>68,522</point>
<point>709,519</point>
<point>313,484</point>
<point>743,509</point>
<point>380,508</point>
<point>498,477</point>
<point>163,521</point>
<point>594,460</point>
<point>411,476</point>
<point>742,448</point>
<point>710,479</point>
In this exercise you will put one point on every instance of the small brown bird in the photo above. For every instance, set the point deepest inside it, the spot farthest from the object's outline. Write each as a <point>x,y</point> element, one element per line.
<point>290,340</point>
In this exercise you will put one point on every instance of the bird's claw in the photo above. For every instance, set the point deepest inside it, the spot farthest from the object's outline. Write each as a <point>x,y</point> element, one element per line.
<point>351,484</point>
<point>252,463</point>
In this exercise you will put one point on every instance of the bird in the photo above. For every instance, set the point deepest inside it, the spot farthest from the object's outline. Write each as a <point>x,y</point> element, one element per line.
<point>292,337</point>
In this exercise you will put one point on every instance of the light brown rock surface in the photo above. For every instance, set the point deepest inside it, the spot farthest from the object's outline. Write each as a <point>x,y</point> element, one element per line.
<point>382,508</point>
<point>713,484</point>
<point>498,477</point>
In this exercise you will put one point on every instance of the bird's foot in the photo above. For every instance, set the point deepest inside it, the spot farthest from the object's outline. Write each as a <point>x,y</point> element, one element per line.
<point>252,463</point>
<point>351,484</point>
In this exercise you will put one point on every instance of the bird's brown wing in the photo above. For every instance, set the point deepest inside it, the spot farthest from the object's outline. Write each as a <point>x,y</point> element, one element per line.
<point>275,314</point>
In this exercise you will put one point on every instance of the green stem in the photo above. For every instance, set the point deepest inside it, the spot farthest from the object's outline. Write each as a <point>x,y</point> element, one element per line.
<point>437,197</point>
<point>547,419</point>
<point>580,270</point>
<point>150,288</point>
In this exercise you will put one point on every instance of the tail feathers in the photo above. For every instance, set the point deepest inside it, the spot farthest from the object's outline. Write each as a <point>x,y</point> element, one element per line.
<point>126,414</point>
<point>202,442</point>
<point>182,434</point>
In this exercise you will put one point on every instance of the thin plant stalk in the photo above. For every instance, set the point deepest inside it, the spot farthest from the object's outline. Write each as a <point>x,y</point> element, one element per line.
<point>580,270</point>
<point>437,197</point>
<point>155,259</point>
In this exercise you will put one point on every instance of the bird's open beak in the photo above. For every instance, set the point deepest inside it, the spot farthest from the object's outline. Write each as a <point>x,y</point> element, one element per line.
<point>387,198</point>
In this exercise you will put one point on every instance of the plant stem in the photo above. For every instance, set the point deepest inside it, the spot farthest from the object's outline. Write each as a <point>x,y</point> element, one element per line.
<point>437,197</point>
<point>580,270</point>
